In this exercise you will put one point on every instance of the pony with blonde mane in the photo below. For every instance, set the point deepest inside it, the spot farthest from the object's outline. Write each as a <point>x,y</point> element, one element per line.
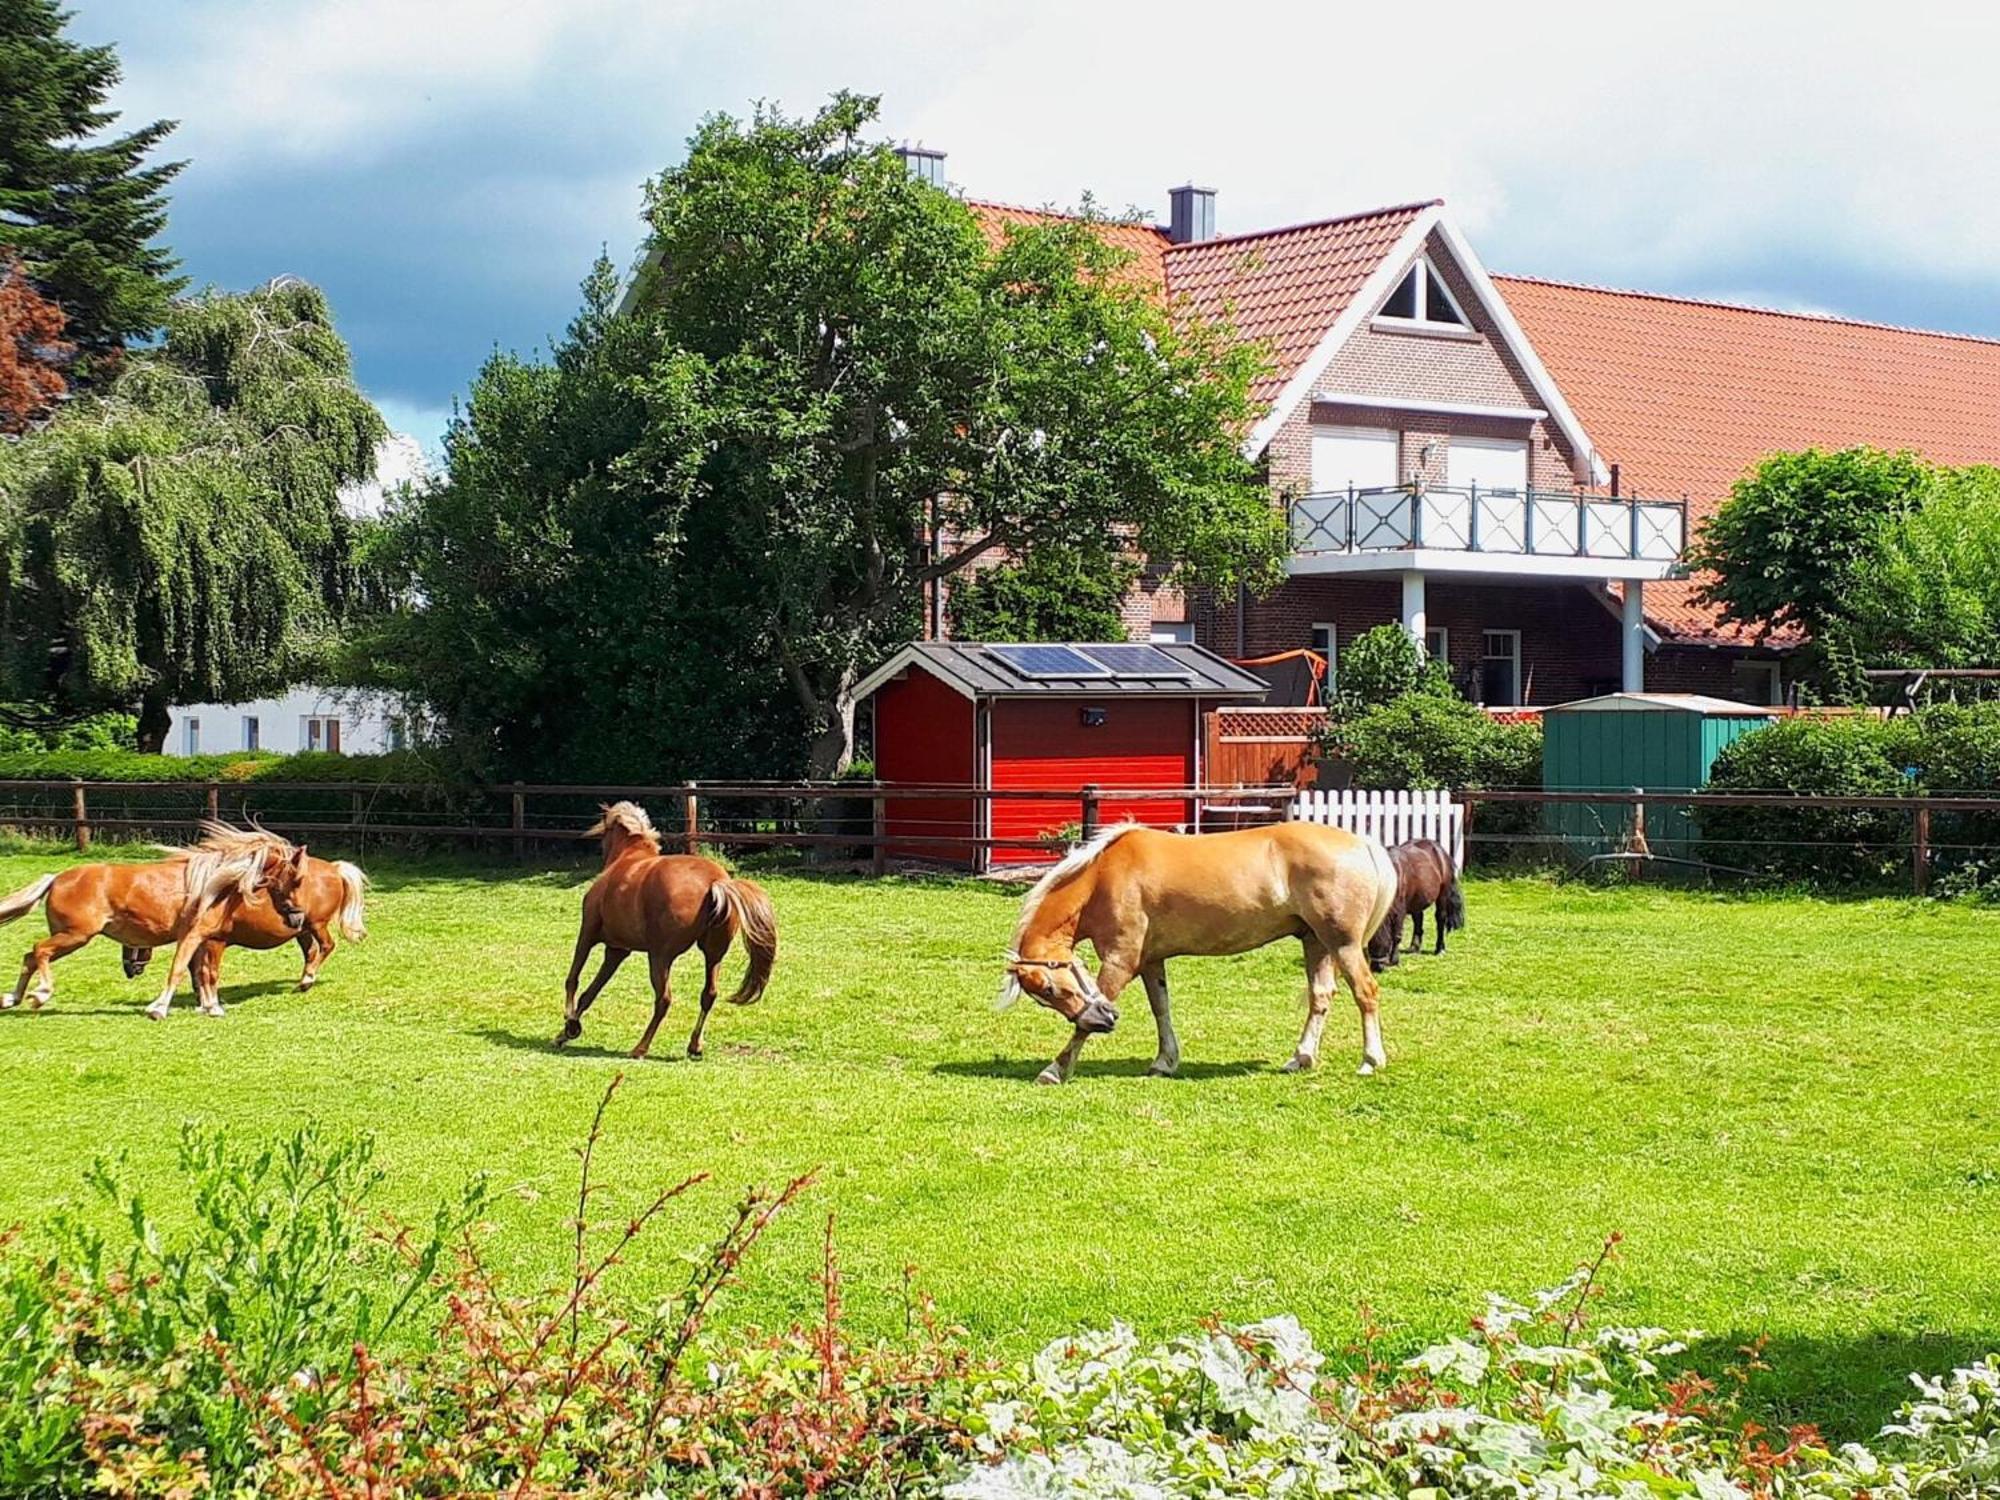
<point>1140,896</point>
<point>331,893</point>
<point>182,899</point>
<point>663,905</point>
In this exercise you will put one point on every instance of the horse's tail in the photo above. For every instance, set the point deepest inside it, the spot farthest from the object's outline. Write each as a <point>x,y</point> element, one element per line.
<point>1386,881</point>
<point>1451,902</point>
<point>25,900</point>
<point>353,881</point>
<point>743,904</point>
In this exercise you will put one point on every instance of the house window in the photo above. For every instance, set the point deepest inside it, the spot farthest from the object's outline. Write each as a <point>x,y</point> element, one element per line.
<point>253,733</point>
<point>1756,682</point>
<point>191,737</point>
<point>399,737</point>
<point>1171,632</point>
<point>321,732</point>
<point>1500,668</point>
<point>1422,297</point>
<point>1437,644</point>
<point>1326,642</point>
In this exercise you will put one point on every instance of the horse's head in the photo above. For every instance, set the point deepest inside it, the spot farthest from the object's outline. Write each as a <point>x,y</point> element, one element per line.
<point>281,877</point>
<point>1064,985</point>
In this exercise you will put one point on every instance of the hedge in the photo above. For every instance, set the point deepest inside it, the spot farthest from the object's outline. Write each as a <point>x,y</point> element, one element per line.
<point>1946,749</point>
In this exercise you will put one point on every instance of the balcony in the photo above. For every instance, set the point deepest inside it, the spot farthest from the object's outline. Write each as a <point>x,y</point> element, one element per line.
<point>1536,533</point>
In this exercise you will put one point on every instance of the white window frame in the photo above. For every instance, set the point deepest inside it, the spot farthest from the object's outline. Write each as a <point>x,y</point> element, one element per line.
<point>1486,655</point>
<point>1332,652</point>
<point>1171,632</point>
<point>313,733</point>
<point>1443,634</point>
<point>1423,322</point>
<point>1773,694</point>
<point>191,735</point>
<point>253,732</point>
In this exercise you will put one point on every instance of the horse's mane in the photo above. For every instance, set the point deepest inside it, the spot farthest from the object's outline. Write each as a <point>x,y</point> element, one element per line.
<point>1071,864</point>
<point>224,860</point>
<point>629,819</point>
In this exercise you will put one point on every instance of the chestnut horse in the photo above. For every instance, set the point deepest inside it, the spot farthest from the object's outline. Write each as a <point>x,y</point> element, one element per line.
<point>663,905</point>
<point>183,899</point>
<point>1426,877</point>
<point>330,894</point>
<point>1140,897</point>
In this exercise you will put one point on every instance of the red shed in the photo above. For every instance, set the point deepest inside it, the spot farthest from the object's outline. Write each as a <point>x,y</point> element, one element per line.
<point>1042,717</point>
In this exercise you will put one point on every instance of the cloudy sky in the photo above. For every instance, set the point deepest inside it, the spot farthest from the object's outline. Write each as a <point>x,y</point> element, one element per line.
<point>447,169</point>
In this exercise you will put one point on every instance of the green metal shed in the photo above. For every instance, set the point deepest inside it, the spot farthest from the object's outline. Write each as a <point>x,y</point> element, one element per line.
<point>1661,742</point>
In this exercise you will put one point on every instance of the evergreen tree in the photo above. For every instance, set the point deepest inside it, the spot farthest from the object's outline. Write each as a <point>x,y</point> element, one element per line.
<point>82,211</point>
<point>179,536</point>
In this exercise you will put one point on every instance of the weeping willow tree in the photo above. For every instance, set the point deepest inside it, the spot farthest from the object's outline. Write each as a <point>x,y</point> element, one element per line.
<point>180,536</point>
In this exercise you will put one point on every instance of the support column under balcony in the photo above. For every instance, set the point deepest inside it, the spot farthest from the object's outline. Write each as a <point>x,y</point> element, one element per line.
<point>1632,637</point>
<point>1415,622</point>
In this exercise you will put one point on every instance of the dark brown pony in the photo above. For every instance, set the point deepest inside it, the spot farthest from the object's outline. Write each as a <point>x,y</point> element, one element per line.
<point>330,895</point>
<point>663,905</point>
<point>1426,877</point>
<point>183,900</point>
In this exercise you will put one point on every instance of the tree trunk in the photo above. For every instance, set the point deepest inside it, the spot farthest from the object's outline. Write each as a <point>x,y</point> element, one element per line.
<point>153,722</point>
<point>833,747</point>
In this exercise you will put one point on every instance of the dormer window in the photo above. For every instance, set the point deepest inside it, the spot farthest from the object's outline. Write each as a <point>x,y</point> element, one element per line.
<point>1422,297</point>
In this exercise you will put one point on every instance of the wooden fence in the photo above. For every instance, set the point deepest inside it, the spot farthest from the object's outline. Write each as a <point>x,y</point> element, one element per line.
<point>835,816</point>
<point>1392,817</point>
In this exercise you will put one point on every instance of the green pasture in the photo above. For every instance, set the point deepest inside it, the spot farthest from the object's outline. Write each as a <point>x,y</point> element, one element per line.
<point>1790,1108</point>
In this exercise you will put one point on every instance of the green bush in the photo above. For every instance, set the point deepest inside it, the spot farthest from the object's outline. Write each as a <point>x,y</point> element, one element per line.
<point>1856,756</point>
<point>1431,740</point>
<point>111,731</point>
<point>1381,665</point>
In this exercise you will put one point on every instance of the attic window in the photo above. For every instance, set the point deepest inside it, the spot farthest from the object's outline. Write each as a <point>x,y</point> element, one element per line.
<point>1422,297</point>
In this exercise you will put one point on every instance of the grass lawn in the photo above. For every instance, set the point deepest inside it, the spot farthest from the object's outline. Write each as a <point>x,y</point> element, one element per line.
<point>1790,1108</point>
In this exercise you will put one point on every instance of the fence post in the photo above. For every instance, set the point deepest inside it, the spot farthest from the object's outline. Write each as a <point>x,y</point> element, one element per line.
<point>520,822</point>
<point>1922,862</point>
<point>215,801</point>
<point>691,814</point>
<point>354,810</point>
<point>878,852</point>
<point>1089,800</point>
<point>1637,844</point>
<point>81,812</point>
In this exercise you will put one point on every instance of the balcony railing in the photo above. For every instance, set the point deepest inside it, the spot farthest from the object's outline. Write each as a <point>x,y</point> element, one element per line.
<point>1525,523</point>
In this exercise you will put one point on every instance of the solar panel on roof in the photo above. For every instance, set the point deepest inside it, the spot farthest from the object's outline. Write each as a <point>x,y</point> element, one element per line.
<point>1138,661</point>
<point>1047,661</point>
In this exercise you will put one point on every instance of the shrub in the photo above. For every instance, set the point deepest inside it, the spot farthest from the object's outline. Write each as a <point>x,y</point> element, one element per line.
<point>1381,665</point>
<point>1434,740</point>
<point>1855,756</point>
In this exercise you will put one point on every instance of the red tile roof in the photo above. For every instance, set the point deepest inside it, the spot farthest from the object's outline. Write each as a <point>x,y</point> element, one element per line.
<point>1686,396</point>
<point>1285,287</point>
<point>1147,243</point>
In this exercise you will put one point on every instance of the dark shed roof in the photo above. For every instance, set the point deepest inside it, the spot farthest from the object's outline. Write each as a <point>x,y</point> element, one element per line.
<point>971,668</point>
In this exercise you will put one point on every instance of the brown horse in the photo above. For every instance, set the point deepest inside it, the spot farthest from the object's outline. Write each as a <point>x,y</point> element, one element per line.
<point>330,895</point>
<point>183,899</point>
<point>1426,877</point>
<point>663,905</point>
<point>1141,897</point>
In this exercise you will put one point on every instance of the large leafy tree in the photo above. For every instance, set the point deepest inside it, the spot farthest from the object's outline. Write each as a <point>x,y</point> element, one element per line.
<point>179,535</point>
<point>1054,595</point>
<point>707,518</point>
<point>1783,548</point>
<point>1928,592</point>
<point>82,208</point>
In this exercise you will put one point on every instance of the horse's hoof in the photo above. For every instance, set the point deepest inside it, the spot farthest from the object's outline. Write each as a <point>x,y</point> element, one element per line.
<point>639,1054</point>
<point>694,1054</point>
<point>308,982</point>
<point>215,1013</point>
<point>36,1002</point>
<point>1371,1065</point>
<point>8,1001</point>
<point>156,1013</point>
<point>1049,1075</point>
<point>1299,1063</point>
<point>1162,1068</point>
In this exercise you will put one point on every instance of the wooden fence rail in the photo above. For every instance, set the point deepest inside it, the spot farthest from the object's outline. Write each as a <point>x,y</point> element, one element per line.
<point>789,814</point>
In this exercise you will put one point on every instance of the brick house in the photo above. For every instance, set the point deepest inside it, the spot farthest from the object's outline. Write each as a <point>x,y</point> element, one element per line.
<point>1511,467</point>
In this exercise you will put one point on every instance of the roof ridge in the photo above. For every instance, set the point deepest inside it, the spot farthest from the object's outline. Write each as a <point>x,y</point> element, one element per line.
<point>1748,307</point>
<point>1063,213</point>
<point>1415,205</point>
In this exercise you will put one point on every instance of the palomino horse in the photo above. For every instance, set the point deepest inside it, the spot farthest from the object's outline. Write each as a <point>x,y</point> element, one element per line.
<point>183,899</point>
<point>663,905</point>
<point>330,894</point>
<point>1426,877</point>
<point>1141,897</point>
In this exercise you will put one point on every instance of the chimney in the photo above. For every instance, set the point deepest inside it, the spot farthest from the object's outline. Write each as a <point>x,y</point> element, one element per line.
<point>924,163</point>
<point>1193,215</point>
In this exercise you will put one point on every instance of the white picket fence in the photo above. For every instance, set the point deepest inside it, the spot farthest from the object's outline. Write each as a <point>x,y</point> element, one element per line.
<point>1389,817</point>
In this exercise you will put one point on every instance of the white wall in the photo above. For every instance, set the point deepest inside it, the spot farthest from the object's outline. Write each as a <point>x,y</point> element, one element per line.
<point>281,722</point>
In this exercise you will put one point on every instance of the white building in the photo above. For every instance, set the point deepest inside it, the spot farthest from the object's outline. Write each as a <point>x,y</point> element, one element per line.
<point>349,721</point>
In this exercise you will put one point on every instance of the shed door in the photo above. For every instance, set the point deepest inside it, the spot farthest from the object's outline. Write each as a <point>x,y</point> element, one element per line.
<point>1490,463</point>
<point>1364,457</point>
